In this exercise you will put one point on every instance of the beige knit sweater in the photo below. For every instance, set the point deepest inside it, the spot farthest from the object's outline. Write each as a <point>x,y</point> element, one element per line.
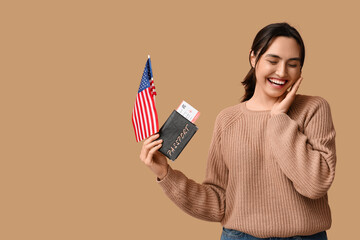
<point>267,176</point>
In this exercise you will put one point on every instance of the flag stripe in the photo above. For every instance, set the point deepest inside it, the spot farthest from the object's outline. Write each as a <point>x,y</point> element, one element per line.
<point>137,121</point>
<point>135,125</point>
<point>147,111</point>
<point>144,114</point>
<point>153,94</point>
<point>136,117</point>
<point>138,125</point>
<point>151,113</point>
<point>141,117</point>
<point>154,113</point>
<point>152,87</point>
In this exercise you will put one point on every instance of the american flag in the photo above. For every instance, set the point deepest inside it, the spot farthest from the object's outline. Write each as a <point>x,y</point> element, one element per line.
<point>144,116</point>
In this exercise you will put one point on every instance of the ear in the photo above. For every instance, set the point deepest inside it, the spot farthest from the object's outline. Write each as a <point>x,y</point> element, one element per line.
<point>252,58</point>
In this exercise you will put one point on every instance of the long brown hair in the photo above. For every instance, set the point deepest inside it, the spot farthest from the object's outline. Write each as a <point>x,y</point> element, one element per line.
<point>261,43</point>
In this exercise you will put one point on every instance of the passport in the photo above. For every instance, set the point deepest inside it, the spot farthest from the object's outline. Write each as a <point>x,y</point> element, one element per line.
<point>176,133</point>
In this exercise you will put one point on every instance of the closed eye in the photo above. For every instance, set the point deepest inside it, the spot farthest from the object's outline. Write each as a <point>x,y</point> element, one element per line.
<point>275,62</point>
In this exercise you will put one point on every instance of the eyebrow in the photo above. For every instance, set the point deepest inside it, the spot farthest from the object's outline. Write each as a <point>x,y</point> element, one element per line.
<point>276,56</point>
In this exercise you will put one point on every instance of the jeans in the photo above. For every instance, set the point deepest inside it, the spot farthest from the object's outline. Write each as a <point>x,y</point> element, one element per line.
<point>230,234</point>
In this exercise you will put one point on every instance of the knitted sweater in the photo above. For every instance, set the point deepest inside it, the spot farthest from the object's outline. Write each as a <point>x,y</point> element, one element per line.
<point>267,176</point>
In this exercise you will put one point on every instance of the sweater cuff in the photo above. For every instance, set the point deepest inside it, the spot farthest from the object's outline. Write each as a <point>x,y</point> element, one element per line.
<point>167,173</point>
<point>169,181</point>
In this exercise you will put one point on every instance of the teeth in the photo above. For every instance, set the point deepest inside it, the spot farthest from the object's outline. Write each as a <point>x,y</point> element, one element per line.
<point>277,81</point>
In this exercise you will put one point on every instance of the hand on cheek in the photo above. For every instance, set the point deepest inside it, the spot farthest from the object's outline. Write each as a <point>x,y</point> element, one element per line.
<point>284,102</point>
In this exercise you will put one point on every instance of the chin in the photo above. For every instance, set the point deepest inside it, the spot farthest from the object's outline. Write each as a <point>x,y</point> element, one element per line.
<point>275,94</point>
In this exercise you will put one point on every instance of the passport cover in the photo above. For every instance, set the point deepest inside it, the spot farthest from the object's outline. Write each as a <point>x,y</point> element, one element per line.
<point>176,133</point>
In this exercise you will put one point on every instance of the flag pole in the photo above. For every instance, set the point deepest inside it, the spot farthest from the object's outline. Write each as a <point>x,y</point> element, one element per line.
<point>152,78</point>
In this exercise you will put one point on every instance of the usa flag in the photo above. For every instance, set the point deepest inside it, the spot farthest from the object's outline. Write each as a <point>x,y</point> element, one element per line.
<point>144,116</point>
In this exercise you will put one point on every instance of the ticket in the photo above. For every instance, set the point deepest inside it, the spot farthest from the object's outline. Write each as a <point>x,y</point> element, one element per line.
<point>188,111</point>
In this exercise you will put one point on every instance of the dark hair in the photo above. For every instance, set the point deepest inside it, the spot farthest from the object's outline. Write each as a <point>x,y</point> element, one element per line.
<point>262,41</point>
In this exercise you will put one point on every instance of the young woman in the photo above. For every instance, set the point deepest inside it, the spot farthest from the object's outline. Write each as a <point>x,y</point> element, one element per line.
<point>272,157</point>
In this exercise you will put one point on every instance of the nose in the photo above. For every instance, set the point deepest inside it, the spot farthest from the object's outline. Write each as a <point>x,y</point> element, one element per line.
<point>281,70</point>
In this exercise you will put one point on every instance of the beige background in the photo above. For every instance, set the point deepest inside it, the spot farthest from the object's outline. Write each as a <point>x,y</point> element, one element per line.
<point>70,71</point>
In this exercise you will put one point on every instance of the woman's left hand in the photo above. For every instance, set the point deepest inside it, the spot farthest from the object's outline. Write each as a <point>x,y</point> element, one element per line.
<point>284,102</point>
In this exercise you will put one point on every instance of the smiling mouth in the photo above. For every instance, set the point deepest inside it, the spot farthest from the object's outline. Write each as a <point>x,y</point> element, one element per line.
<point>277,81</point>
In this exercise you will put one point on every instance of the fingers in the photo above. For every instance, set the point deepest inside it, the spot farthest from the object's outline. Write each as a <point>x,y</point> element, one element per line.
<point>148,145</point>
<point>282,97</point>
<point>149,157</point>
<point>151,138</point>
<point>296,85</point>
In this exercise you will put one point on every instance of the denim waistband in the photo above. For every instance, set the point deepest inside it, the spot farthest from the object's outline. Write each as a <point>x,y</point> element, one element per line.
<point>231,234</point>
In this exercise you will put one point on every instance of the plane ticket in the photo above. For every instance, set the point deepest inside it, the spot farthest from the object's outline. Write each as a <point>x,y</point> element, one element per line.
<point>187,111</point>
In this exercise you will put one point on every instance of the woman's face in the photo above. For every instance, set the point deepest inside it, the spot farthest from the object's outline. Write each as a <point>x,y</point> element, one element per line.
<point>278,68</point>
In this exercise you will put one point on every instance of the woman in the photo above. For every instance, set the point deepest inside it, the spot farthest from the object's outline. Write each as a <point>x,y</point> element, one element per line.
<point>272,157</point>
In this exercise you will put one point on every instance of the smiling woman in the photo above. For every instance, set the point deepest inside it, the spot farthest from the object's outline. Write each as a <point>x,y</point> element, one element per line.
<point>276,70</point>
<point>276,57</point>
<point>272,157</point>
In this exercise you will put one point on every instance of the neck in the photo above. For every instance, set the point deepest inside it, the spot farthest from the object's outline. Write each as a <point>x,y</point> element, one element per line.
<point>261,102</point>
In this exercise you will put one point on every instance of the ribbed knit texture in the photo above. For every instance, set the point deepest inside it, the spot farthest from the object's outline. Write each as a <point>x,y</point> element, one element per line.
<point>267,176</point>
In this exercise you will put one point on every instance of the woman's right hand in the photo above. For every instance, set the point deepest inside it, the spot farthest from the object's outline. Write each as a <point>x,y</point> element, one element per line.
<point>152,158</point>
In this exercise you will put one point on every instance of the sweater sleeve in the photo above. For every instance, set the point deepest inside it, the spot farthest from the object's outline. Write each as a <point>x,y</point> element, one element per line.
<point>307,158</point>
<point>205,201</point>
